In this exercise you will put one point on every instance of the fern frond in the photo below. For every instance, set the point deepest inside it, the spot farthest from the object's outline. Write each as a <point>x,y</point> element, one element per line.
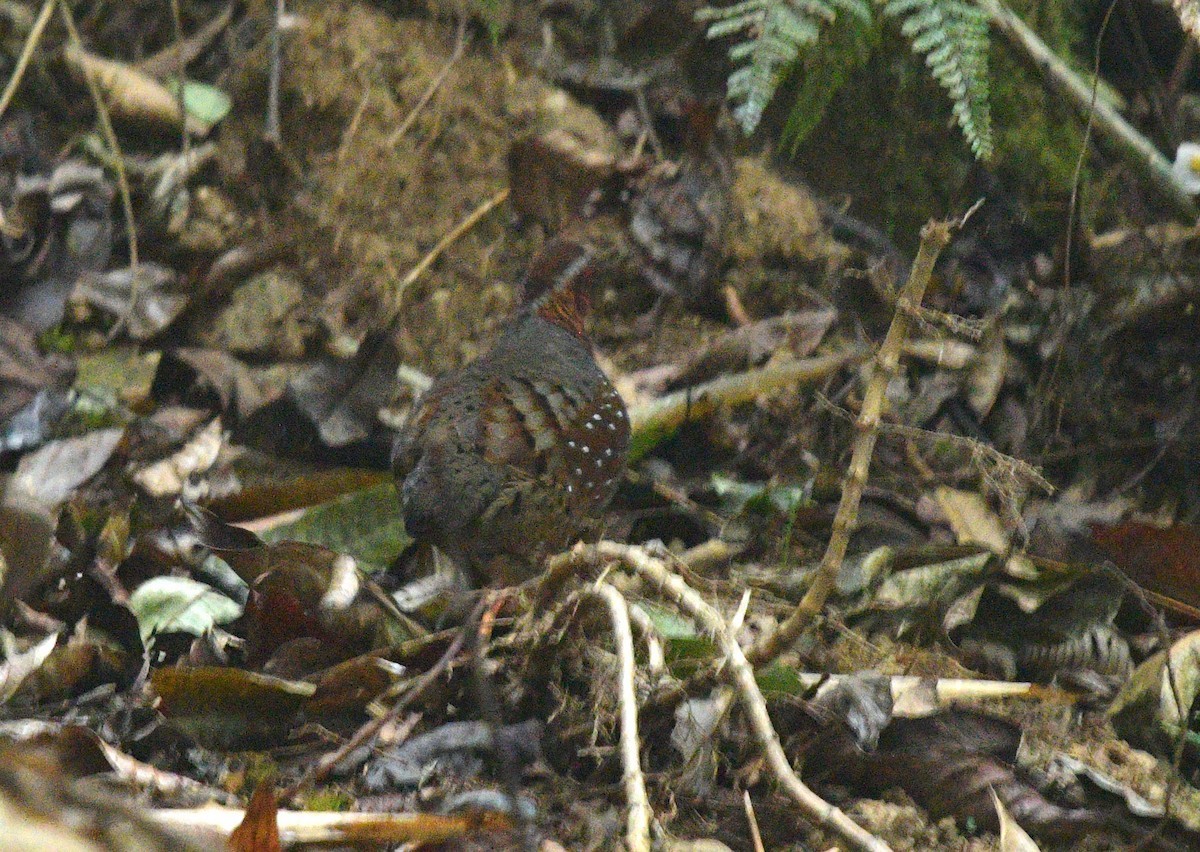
<point>953,36</point>
<point>820,75</point>
<point>777,31</point>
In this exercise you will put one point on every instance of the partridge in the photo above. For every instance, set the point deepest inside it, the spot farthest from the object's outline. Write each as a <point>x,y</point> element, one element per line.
<point>516,455</point>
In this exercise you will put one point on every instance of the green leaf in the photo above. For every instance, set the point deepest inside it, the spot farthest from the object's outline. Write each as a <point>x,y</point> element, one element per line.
<point>365,524</point>
<point>179,605</point>
<point>203,102</point>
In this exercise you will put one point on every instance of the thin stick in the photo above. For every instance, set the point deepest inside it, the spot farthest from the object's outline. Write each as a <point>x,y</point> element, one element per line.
<point>110,139</point>
<point>755,836</point>
<point>273,131</point>
<point>445,242</point>
<point>934,237</point>
<point>739,672</point>
<point>212,823</point>
<point>321,769</point>
<point>31,43</point>
<point>637,824</point>
<point>460,44</point>
<point>662,416</point>
<point>656,658</point>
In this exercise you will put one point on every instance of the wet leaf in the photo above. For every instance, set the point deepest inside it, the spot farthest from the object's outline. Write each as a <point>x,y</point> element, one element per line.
<point>228,706</point>
<point>179,605</point>
<point>259,831</point>
<point>50,474</point>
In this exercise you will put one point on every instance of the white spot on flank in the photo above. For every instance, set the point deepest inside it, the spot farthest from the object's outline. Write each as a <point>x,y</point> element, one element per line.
<point>587,425</point>
<point>579,471</point>
<point>599,463</point>
<point>608,451</point>
<point>571,444</point>
<point>591,484</point>
<point>586,449</point>
<point>570,488</point>
<point>612,426</point>
<point>596,417</point>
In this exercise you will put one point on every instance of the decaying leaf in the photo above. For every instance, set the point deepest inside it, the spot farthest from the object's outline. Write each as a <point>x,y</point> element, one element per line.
<point>50,474</point>
<point>167,477</point>
<point>1154,708</point>
<point>145,299</point>
<point>227,706</point>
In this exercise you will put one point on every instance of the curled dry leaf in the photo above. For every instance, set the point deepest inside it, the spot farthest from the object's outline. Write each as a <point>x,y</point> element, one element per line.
<point>1154,707</point>
<point>259,831</point>
<point>144,299</point>
<point>166,478</point>
<point>132,94</point>
<point>1013,838</point>
<point>19,666</point>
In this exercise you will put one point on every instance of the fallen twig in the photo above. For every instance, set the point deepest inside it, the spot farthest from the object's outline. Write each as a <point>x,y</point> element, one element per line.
<point>1134,148</point>
<point>321,769</point>
<point>637,825</point>
<point>658,418</point>
<point>738,670</point>
<point>327,828</point>
<point>934,237</point>
<point>272,127</point>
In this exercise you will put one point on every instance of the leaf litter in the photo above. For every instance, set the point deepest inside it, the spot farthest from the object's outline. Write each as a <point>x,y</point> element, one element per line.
<point>264,381</point>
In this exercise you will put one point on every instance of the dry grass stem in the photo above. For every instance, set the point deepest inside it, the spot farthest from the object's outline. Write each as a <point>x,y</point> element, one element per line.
<point>755,836</point>
<point>738,670</point>
<point>637,824</point>
<point>460,45</point>
<point>934,237</point>
<point>444,243</point>
<point>176,56</point>
<point>31,43</point>
<point>110,139</point>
